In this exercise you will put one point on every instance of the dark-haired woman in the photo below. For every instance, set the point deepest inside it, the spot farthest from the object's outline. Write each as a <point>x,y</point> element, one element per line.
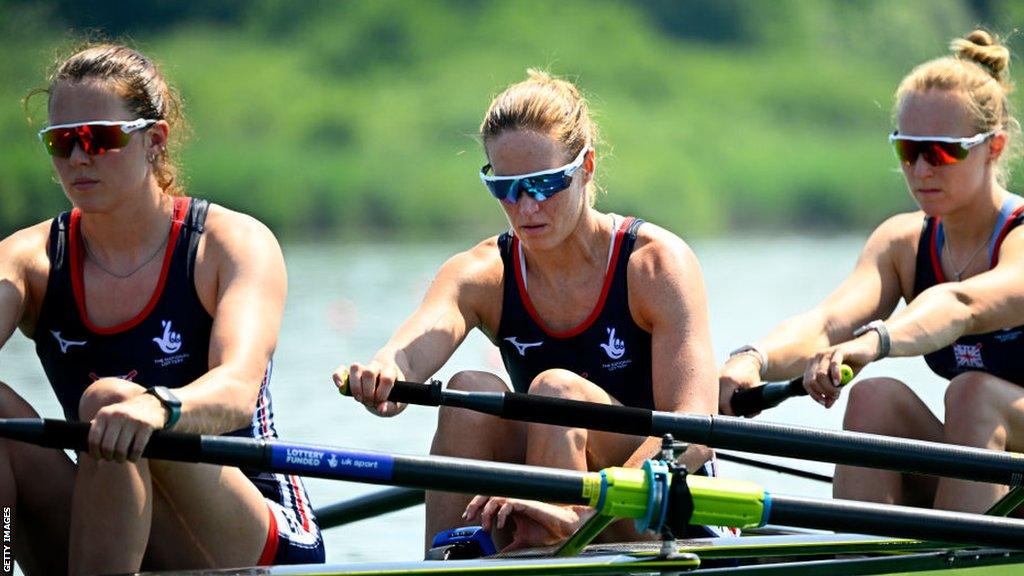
<point>958,262</point>
<point>149,310</point>
<point>582,304</point>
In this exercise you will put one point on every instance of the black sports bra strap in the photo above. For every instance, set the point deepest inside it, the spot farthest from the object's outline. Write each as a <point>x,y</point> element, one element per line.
<point>194,226</point>
<point>634,226</point>
<point>59,240</point>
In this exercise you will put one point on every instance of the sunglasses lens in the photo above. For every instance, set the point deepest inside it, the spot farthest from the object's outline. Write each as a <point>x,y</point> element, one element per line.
<point>98,139</point>
<point>59,142</point>
<point>944,153</point>
<point>95,139</point>
<point>501,189</point>
<point>546,186</point>
<point>935,153</point>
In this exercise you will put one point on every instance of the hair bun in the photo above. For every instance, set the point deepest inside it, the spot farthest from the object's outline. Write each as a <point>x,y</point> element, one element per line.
<point>984,48</point>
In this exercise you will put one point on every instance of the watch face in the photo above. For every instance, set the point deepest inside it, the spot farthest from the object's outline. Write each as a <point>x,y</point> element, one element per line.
<point>165,396</point>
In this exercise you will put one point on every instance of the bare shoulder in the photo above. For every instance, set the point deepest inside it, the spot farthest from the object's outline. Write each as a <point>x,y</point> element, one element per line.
<point>900,229</point>
<point>23,254</point>
<point>893,246</point>
<point>479,266</point>
<point>25,267</point>
<point>228,231</point>
<point>660,255</point>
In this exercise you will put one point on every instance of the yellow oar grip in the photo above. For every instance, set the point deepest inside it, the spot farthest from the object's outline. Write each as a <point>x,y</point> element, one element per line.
<point>845,374</point>
<point>343,387</point>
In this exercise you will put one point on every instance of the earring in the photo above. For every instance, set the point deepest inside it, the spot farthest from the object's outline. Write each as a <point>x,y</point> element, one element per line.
<point>151,158</point>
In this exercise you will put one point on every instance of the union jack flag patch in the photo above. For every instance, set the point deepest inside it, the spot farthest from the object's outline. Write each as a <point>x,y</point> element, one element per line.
<point>968,355</point>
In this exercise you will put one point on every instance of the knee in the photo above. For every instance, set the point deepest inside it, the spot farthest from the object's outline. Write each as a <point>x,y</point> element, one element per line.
<point>476,381</point>
<point>968,392</point>
<point>458,420</point>
<point>104,392</point>
<point>13,405</point>
<point>871,400</point>
<point>972,402</point>
<point>559,383</point>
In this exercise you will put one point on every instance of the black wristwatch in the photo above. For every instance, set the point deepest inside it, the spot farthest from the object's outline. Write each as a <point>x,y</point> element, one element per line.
<point>170,401</point>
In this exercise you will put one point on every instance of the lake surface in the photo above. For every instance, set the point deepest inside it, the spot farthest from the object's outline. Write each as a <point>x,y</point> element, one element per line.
<point>345,300</point>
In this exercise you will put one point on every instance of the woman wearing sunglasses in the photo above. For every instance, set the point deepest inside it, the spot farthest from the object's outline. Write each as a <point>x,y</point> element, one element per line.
<point>958,263</point>
<point>582,304</point>
<point>149,310</point>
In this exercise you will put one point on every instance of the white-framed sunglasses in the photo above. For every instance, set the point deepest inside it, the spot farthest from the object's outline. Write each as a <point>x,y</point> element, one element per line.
<point>936,150</point>
<point>539,185</point>
<point>95,136</point>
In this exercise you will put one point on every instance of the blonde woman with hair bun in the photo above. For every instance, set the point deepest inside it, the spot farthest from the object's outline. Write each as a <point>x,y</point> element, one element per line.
<point>582,304</point>
<point>958,263</point>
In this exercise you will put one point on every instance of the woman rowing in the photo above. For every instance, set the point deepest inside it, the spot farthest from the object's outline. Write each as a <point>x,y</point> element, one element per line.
<point>582,304</point>
<point>150,311</point>
<point>958,262</point>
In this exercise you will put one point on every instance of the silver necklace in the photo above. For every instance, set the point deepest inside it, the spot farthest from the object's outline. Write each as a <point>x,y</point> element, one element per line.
<point>949,252</point>
<point>131,273</point>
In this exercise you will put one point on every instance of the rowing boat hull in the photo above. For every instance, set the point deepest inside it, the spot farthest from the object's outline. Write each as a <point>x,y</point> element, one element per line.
<point>796,555</point>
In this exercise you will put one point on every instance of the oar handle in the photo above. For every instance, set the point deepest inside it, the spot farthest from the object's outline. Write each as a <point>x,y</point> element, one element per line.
<point>408,392</point>
<point>760,398</point>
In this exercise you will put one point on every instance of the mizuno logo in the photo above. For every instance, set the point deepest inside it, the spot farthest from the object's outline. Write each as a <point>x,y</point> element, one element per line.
<point>522,346</point>
<point>65,344</point>
<point>615,348</point>
<point>170,342</point>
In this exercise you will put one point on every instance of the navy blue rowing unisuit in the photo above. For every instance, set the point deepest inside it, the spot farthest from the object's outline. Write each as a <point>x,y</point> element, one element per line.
<point>1000,353</point>
<point>608,348</point>
<point>166,344</point>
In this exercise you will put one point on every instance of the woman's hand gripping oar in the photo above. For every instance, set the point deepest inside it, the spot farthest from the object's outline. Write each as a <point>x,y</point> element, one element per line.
<point>759,398</point>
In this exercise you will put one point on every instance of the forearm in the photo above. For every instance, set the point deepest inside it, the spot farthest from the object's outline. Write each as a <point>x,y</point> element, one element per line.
<point>419,348</point>
<point>934,320</point>
<point>222,400</point>
<point>792,343</point>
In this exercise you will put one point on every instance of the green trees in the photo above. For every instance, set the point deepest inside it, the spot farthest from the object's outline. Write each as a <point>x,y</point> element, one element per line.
<point>359,118</point>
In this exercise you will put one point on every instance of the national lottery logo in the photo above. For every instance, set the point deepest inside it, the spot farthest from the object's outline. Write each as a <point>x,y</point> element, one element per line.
<point>170,341</point>
<point>615,348</point>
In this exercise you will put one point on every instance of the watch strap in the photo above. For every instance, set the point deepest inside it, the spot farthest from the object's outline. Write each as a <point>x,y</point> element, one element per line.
<point>884,341</point>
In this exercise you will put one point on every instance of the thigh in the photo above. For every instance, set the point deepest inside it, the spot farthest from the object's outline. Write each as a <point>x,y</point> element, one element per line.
<point>470,434</point>
<point>41,510</point>
<point>603,449</point>
<point>205,516</point>
<point>889,407</point>
<point>985,411</point>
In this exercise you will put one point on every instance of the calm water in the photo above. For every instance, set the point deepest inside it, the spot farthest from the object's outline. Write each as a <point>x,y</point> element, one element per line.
<point>345,300</point>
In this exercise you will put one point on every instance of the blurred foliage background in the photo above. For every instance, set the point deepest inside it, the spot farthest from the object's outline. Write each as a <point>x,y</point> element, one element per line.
<point>358,118</point>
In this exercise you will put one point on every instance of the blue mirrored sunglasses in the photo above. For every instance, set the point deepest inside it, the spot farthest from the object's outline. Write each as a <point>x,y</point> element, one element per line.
<point>539,185</point>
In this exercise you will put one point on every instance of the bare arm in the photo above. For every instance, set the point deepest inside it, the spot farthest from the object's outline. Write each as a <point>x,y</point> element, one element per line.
<point>458,300</point>
<point>871,291</point>
<point>16,255</point>
<point>24,268</point>
<point>240,278</point>
<point>250,290</point>
<point>668,298</point>
<point>937,317</point>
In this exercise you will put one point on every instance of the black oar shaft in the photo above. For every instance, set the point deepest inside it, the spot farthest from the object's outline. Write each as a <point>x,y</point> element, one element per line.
<point>367,506</point>
<point>850,448</point>
<point>759,398</point>
<point>867,518</point>
<point>706,497</point>
<point>772,467</point>
<point>422,472</point>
